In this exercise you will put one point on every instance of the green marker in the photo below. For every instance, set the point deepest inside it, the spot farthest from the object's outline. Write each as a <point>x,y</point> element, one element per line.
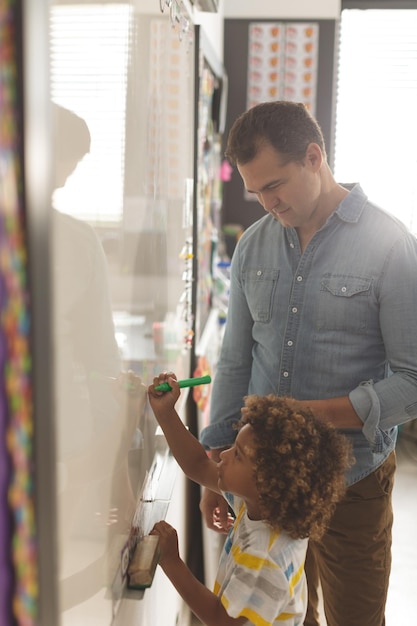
<point>186,382</point>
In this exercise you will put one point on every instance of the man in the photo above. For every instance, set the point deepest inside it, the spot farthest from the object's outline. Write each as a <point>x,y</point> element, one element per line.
<point>322,308</point>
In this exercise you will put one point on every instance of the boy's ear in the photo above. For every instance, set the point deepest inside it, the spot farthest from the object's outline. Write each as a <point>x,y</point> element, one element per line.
<point>314,157</point>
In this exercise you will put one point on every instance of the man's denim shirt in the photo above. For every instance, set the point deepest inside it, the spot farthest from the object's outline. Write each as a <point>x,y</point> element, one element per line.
<point>339,319</point>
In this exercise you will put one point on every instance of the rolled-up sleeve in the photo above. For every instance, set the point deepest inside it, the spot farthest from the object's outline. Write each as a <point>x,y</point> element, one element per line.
<point>365,401</point>
<point>387,403</point>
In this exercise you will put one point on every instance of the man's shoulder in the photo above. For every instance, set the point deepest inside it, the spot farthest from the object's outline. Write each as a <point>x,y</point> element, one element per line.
<point>383,228</point>
<point>375,214</point>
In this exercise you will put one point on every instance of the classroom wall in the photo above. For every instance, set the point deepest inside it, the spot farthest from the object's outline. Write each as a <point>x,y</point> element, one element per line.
<point>238,211</point>
<point>213,23</point>
<point>324,9</point>
<point>213,26</point>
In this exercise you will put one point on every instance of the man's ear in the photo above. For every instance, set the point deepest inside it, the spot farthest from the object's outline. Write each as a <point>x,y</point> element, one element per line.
<point>314,157</point>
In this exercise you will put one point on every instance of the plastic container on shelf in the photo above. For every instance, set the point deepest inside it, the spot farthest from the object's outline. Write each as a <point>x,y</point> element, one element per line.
<point>221,288</point>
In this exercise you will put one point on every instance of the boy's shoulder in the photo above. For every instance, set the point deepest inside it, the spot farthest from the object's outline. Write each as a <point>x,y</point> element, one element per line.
<point>257,537</point>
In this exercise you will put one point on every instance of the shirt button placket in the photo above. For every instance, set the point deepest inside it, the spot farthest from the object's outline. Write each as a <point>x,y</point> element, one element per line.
<point>285,372</point>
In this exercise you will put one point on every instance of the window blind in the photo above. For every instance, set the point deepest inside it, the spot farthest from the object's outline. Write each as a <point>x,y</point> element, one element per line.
<point>376,120</point>
<point>88,62</point>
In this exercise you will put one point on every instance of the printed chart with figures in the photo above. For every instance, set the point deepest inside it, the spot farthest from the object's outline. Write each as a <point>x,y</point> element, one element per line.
<point>283,62</point>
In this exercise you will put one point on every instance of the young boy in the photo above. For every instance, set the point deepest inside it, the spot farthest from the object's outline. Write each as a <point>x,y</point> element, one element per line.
<point>282,478</point>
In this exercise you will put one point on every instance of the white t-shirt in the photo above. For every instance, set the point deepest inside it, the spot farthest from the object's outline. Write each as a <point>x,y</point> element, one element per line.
<point>261,572</point>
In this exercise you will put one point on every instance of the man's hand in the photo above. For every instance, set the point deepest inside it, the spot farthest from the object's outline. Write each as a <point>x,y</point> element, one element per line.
<point>215,511</point>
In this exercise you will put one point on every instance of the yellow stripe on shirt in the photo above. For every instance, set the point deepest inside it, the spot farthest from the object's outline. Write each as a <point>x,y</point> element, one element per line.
<point>295,579</point>
<point>250,561</point>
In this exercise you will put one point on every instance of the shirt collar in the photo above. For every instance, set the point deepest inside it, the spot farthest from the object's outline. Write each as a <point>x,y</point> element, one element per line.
<point>352,205</point>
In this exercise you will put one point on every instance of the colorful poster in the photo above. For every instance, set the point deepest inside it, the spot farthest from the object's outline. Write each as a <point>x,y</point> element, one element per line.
<point>283,62</point>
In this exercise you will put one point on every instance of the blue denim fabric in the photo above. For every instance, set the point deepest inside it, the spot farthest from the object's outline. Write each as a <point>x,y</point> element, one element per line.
<point>339,319</point>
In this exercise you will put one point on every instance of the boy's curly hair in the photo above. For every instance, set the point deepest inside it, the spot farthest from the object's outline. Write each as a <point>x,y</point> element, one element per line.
<point>300,464</point>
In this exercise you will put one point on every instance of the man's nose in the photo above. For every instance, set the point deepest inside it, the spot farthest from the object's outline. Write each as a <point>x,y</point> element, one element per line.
<point>268,200</point>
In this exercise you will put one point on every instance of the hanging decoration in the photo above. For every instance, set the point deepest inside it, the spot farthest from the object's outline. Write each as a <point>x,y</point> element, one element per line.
<point>18,562</point>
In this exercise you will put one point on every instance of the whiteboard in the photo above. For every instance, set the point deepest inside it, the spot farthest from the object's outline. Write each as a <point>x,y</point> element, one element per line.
<point>122,103</point>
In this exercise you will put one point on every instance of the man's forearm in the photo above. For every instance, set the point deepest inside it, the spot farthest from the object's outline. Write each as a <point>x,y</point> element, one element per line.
<point>336,411</point>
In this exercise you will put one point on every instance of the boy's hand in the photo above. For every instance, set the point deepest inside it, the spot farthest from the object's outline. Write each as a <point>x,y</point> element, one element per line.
<point>215,512</point>
<point>164,399</point>
<point>168,542</point>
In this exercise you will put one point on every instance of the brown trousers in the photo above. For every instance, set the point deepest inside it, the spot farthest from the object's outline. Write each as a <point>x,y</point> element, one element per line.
<point>352,561</point>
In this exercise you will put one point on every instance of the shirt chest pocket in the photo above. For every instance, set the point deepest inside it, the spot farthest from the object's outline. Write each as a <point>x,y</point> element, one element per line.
<point>260,285</point>
<point>344,304</point>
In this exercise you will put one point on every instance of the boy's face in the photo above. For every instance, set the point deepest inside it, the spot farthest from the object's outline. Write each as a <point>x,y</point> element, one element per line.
<point>236,466</point>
